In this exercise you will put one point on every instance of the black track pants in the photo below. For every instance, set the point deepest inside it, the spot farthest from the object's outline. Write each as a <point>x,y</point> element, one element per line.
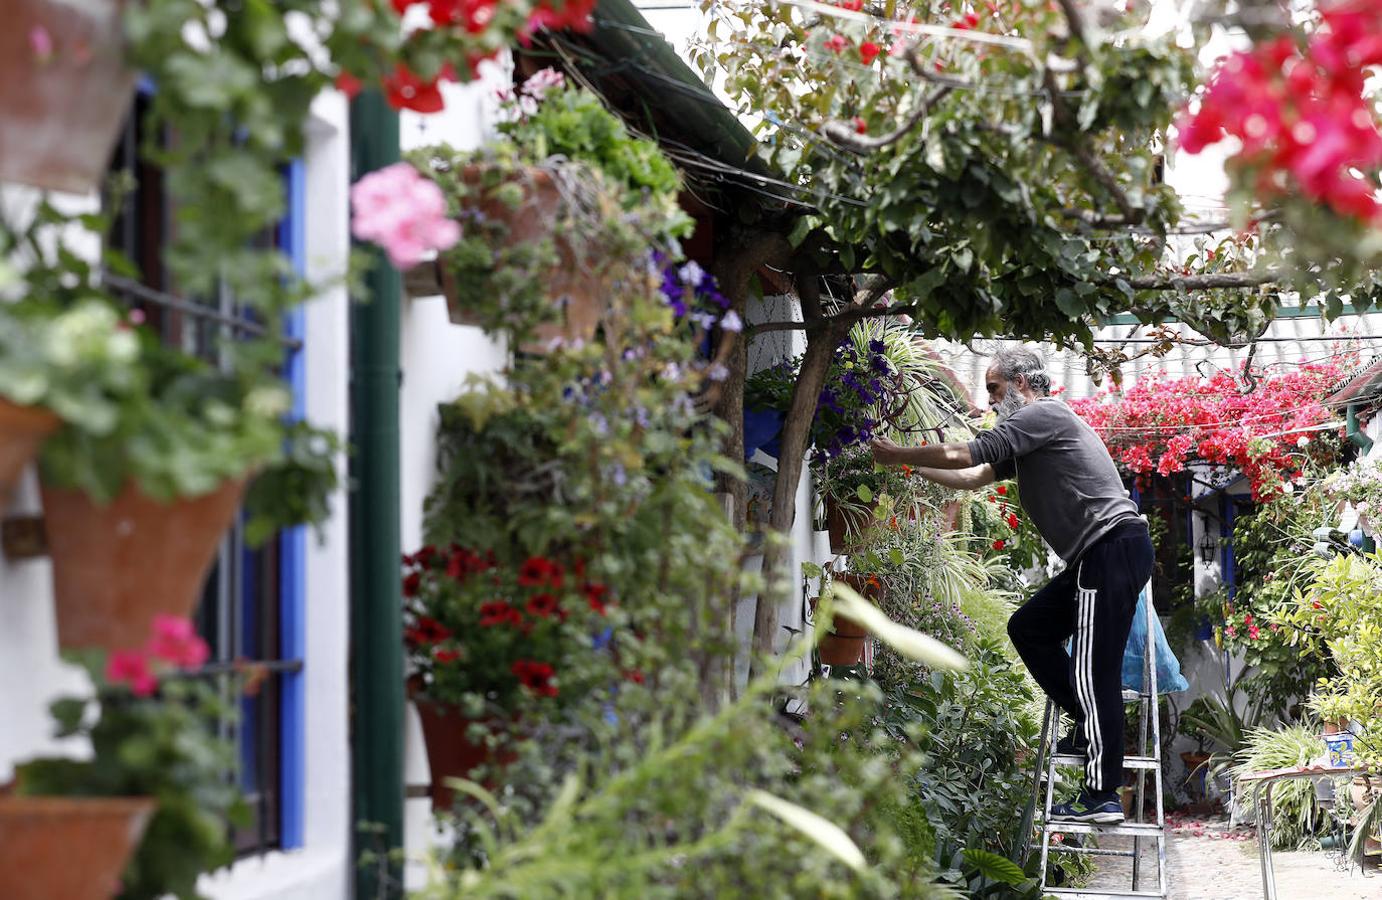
<point>1093,600</point>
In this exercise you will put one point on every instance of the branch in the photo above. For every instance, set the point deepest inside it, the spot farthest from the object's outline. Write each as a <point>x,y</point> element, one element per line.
<point>1076,145</point>
<point>861,307</point>
<point>842,134</point>
<point>1075,22</point>
<point>1203,282</point>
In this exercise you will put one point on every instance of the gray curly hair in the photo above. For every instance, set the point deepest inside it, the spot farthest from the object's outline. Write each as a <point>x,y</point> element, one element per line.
<point>1015,362</point>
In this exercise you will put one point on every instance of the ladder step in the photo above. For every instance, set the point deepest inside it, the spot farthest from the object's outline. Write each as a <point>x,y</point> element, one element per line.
<point>1091,894</point>
<point>1134,829</point>
<point>1129,762</point>
<point>1134,696</point>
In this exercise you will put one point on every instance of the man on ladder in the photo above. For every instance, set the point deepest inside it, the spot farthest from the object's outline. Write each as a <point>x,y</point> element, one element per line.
<point>1070,488</point>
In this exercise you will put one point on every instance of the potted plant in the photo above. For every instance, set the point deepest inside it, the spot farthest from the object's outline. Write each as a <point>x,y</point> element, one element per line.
<point>56,368</point>
<point>64,89</point>
<point>534,209</point>
<point>158,768</point>
<point>486,640</point>
<point>136,509</point>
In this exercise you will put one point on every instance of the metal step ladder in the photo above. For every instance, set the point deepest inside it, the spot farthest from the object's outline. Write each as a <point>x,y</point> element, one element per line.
<point>1147,760</point>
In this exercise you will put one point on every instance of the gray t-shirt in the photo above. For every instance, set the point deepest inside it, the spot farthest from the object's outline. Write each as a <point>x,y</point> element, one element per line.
<point>1066,479</point>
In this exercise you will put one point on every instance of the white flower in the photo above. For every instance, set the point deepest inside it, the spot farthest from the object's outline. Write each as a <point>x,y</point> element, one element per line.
<point>1303,441</point>
<point>717,372</point>
<point>1362,506</point>
<point>691,273</point>
<point>731,322</point>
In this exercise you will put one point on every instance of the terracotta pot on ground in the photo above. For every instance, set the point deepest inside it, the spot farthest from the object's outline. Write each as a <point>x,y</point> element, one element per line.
<point>450,751</point>
<point>68,848</point>
<point>115,567</point>
<point>64,92</point>
<point>846,525</point>
<point>22,431</point>
<point>536,218</point>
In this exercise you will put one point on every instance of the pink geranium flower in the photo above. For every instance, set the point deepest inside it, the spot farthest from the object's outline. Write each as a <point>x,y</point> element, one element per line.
<point>175,641</point>
<point>131,667</point>
<point>403,212</point>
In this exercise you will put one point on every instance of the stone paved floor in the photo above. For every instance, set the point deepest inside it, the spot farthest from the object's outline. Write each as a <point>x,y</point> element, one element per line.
<point>1207,862</point>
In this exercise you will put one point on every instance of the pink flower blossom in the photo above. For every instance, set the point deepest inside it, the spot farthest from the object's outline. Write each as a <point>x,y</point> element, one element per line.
<point>131,667</point>
<point>41,42</point>
<point>175,641</point>
<point>403,212</point>
<point>543,81</point>
<point>836,43</point>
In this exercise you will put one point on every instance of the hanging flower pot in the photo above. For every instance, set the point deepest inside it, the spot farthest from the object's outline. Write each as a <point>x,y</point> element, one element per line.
<point>451,753</point>
<point>524,213</point>
<point>73,848</point>
<point>844,644</point>
<point>22,431</point>
<point>64,91</point>
<point>117,566</point>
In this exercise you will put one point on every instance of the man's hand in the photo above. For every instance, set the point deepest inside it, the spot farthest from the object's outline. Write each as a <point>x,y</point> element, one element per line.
<point>885,452</point>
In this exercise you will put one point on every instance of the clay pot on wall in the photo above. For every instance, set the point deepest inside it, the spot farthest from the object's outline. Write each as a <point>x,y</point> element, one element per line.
<point>22,432</point>
<point>64,91</point>
<point>846,525</point>
<point>537,217</point>
<point>451,753</point>
<point>117,566</point>
<point>68,848</point>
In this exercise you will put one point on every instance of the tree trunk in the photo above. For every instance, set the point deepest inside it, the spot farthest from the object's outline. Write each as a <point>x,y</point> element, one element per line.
<point>735,270</point>
<point>796,437</point>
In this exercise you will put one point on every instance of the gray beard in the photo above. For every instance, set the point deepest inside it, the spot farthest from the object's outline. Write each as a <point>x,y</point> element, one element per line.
<point>1012,401</point>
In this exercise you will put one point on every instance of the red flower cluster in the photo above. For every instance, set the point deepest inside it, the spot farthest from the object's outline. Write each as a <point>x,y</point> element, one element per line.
<point>535,676</point>
<point>1160,424</point>
<point>1301,110</point>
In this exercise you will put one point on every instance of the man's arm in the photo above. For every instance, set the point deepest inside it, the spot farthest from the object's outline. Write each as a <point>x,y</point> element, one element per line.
<point>970,479</point>
<point>931,456</point>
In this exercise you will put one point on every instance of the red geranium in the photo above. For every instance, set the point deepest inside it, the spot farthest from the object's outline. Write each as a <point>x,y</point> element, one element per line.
<point>535,676</point>
<point>595,596</point>
<point>538,571</point>
<point>543,605</point>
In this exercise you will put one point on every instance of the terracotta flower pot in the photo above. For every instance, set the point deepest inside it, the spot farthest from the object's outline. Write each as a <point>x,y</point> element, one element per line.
<point>846,526</point>
<point>537,217</point>
<point>841,650</point>
<point>115,567</point>
<point>450,751</point>
<point>68,848</point>
<point>22,431</point>
<point>64,91</point>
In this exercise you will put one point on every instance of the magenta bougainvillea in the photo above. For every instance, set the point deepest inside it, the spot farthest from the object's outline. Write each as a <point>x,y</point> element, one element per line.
<point>1265,426</point>
<point>1298,108</point>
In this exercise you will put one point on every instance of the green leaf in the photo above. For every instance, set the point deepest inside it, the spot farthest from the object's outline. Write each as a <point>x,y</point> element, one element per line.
<point>995,867</point>
<point>864,493</point>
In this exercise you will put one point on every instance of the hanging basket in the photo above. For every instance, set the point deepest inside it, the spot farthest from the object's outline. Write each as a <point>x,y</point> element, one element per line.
<point>573,288</point>
<point>68,848</point>
<point>450,751</point>
<point>22,431</point>
<point>64,91</point>
<point>117,566</point>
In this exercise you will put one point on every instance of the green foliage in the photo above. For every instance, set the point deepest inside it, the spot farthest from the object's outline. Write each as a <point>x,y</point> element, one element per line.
<point>1296,815</point>
<point>679,819</point>
<point>1341,613</point>
<point>977,734</point>
<point>70,363</point>
<point>165,747</point>
<point>235,92</point>
<point>1273,554</point>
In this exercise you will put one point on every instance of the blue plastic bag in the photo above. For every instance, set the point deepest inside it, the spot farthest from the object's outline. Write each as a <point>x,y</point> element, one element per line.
<point>1168,677</point>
